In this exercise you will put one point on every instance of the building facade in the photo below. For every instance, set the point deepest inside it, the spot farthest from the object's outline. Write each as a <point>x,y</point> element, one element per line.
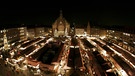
<point>31,33</point>
<point>40,31</point>
<point>60,27</point>
<point>97,32</point>
<point>23,33</point>
<point>13,34</point>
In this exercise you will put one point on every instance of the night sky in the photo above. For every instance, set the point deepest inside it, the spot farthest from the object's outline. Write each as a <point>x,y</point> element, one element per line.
<point>99,13</point>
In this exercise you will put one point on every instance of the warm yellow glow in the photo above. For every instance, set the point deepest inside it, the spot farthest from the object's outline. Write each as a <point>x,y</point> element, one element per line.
<point>109,70</point>
<point>123,73</point>
<point>56,66</point>
<point>102,37</point>
<point>104,53</point>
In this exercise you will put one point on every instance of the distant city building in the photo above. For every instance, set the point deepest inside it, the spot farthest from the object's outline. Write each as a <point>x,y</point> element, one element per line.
<point>31,33</point>
<point>79,31</point>
<point>23,33</point>
<point>13,34</point>
<point>60,27</point>
<point>48,31</point>
<point>39,31</point>
<point>97,32</point>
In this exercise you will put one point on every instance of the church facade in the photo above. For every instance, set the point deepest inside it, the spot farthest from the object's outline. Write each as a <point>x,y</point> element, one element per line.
<point>60,27</point>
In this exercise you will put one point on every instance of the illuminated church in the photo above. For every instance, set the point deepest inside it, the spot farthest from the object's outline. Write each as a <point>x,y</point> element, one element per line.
<point>60,27</point>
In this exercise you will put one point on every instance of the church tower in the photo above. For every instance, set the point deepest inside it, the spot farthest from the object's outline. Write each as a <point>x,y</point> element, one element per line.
<point>88,28</point>
<point>6,46</point>
<point>61,25</point>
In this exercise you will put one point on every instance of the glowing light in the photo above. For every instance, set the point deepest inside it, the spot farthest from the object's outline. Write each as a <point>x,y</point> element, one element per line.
<point>76,46</point>
<point>56,66</point>
<point>133,42</point>
<point>50,39</point>
<point>32,52</point>
<point>123,73</point>
<point>125,42</point>
<point>59,75</point>
<point>109,70</point>
<point>104,53</point>
<point>71,46</point>
<point>102,37</point>
<point>22,48</point>
<point>115,37</point>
